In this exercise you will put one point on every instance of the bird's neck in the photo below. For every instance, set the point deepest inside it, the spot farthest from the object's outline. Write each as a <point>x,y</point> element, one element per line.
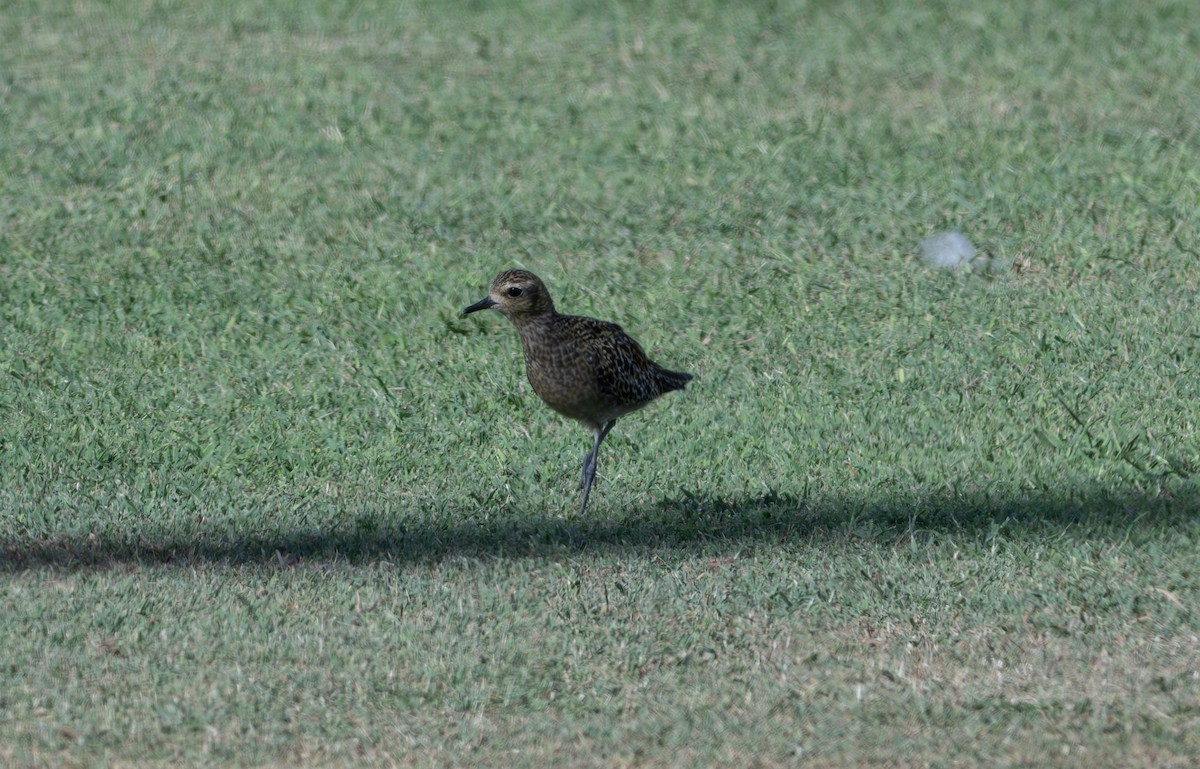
<point>539,326</point>
<point>534,319</point>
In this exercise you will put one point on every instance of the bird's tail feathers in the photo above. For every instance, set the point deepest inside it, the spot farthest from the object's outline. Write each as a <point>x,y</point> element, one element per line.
<point>672,380</point>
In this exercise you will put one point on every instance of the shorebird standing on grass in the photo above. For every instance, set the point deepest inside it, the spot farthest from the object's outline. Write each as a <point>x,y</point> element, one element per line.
<point>583,368</point>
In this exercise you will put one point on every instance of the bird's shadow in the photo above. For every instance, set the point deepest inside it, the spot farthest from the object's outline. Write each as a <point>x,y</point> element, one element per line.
<point>686,524</point>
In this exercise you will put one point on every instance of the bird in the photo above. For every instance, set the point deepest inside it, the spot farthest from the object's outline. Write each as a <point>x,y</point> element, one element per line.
<point>585,369</point>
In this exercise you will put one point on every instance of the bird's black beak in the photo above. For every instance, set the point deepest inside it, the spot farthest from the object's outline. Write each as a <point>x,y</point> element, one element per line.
<point>482,304</point>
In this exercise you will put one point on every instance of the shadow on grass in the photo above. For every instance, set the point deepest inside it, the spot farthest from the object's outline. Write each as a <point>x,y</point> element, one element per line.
<point>685,524</point>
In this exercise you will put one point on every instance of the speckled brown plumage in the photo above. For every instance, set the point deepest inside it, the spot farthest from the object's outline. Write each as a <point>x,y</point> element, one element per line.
<point>583,368</point>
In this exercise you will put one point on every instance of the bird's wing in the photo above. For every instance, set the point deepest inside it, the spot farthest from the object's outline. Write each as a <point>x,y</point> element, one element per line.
<point>622,369</point>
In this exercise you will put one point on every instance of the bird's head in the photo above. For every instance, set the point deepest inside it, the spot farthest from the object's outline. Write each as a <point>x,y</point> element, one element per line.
<point>517,294</point>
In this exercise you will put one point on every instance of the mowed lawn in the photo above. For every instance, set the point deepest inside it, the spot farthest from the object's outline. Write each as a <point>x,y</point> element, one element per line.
<point>266,499</point>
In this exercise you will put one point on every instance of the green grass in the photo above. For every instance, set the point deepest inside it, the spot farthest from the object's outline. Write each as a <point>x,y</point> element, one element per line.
<point>267,500</point>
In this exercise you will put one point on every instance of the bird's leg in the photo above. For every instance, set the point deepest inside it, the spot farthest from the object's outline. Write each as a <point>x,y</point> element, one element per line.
<point>589,464</point>
<point>589,461</point>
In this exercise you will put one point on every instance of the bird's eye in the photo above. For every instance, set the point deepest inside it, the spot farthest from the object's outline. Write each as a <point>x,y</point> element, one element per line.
<point>514,291</point>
